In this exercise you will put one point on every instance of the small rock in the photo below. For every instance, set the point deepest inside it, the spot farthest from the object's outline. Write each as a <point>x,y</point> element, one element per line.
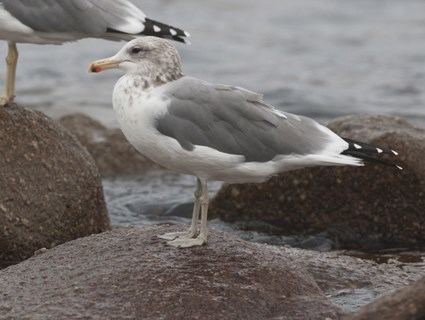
<point>40,251</point>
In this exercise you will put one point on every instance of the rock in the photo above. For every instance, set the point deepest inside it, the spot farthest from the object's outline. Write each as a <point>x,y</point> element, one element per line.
<point>362,208</point>
<point>405,304</point>
<point>109,148</point>
<point>128,273</point>
<point>50,190</point>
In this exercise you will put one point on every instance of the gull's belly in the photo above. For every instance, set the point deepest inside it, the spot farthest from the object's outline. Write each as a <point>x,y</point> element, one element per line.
<point>11,29</point>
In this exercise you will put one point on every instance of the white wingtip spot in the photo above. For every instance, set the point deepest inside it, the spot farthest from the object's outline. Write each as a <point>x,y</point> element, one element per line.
<point>395,152</point>
<point>173,32</point>
<point>357,146</point>
<point>400,168</point>
<point>379,150</point>
<point>279,113</point>
<point>187,34</point>
<point>156,28</point>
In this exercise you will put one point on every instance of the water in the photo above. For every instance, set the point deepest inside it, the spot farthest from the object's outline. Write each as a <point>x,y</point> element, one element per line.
<point>322,59</point>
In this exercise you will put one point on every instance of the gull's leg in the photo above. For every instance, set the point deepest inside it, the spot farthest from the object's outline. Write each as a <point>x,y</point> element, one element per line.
<point>193,230</point>
<point>203,235</point>
<point>11,62</point>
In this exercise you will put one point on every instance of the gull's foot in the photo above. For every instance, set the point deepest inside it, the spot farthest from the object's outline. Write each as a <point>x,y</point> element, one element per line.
<point>4,101</point>
<point>180,235</point>
<point>187,243</point>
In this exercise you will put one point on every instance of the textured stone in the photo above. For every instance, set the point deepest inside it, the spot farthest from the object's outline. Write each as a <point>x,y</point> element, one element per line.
<point>50,189</point>
<point>129,273</point>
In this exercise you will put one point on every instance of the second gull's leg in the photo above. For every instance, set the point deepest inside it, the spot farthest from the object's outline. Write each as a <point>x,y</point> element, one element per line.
<point>11,63</point>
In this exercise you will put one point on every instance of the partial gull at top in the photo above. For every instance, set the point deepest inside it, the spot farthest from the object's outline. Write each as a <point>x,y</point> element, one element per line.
<point>59,21</point>
<point>215,132</point>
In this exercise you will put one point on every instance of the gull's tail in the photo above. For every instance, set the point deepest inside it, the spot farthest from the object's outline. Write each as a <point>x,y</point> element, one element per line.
<point>370,153</point>
<point>162,30</point>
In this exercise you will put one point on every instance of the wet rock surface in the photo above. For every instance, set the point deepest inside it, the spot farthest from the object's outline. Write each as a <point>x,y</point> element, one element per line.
<point>108,147</point>
<point>50,189</point>
<point>128,273</point>
<point>369,208</point>
<point>405,304</point>
<point>351,282</point>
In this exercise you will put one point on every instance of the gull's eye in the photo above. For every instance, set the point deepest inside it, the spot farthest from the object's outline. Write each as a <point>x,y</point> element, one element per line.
<point>136,50</point>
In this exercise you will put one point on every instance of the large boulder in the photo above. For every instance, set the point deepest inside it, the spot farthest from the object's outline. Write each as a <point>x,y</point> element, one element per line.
<point>50,190</point>
<point>113,154</point>
<point>405,304</point>
<point>368,208</point>
<point>128,273</point>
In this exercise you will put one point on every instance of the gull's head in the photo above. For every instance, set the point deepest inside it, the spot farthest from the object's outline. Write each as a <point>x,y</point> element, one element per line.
<point>156,60</point>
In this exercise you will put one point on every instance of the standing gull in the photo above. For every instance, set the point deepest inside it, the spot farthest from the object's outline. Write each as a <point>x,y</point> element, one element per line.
<point>59,21</point>
<point>214,132</point>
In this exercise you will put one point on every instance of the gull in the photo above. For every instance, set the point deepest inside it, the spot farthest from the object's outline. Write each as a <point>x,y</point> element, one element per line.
<point>59,21</point>
<point>213,131</point>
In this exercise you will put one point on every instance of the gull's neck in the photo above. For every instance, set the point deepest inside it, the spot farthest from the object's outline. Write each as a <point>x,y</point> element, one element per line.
<point>146,82</point>
<point>154,75</point>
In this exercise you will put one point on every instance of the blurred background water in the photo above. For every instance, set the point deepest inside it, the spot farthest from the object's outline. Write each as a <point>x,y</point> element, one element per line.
<point>318,58</point>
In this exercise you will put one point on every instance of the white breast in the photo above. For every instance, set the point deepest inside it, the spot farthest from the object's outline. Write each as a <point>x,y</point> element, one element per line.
<point>136,110</point>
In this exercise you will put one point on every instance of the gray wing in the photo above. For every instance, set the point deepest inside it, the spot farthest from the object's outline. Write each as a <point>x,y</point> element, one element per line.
<point>92,17</point>
<point>236,121</point>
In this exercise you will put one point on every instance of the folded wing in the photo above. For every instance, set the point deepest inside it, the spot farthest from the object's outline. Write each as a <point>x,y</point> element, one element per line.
<point>237,121</point>
<point>91,17</point>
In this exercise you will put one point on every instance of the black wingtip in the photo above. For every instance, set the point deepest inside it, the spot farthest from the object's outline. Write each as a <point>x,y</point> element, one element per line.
<point>162,30</point>
<point>373,154</point>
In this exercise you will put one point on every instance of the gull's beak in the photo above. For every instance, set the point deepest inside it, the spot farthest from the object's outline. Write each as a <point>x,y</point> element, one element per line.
<point>104,64</point>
